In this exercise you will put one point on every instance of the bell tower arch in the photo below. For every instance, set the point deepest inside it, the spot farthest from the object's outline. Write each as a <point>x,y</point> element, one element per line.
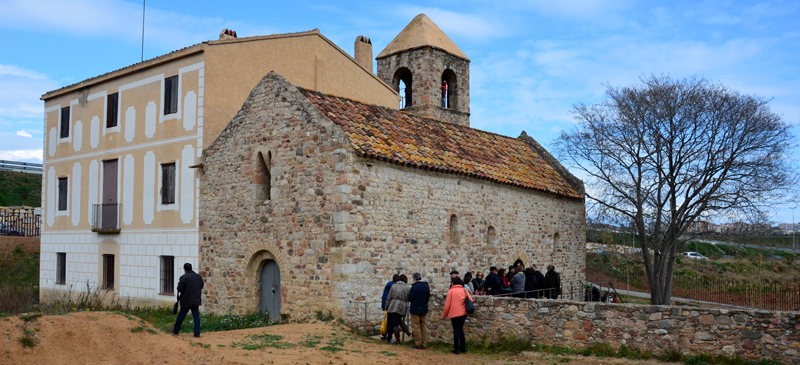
<point>437,68</point>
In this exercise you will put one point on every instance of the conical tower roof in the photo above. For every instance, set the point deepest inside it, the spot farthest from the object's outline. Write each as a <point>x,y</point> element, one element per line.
<point>422,31</point>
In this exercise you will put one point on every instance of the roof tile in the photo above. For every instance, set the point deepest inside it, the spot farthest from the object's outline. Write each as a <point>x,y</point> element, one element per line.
<point>407,139</point>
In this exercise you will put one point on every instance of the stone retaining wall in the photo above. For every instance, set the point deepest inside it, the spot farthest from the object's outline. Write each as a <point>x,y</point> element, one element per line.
<point>747,334</point>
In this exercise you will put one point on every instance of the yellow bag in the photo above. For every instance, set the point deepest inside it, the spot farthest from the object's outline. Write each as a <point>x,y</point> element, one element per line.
<point>384,325</point>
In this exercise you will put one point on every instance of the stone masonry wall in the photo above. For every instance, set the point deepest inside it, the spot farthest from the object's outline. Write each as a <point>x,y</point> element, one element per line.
<point>427,64</point>
<point>690,330</point>
<point>295,227</point>
<point>400,224</point>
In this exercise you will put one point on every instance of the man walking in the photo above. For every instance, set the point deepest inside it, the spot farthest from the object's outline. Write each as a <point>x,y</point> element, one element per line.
<point>418,296</point>
<point>190,286</point>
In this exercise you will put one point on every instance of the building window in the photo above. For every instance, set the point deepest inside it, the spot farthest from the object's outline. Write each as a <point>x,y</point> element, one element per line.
<point>556,242</point>
<point>62,193</point>
<point>455,235</point>
<point>171,95</point>
<point>61,268</point>
<point>448,89</point>
<point>491,236</point>
<point>168,183</point>
<point>112,110</point>
<point>402,84</point>
<point>64,133</point>
<point>108,271</point>
<point>262,177</point>
<point>167,274</point>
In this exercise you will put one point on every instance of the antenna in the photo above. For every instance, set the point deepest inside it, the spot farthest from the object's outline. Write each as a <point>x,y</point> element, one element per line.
<point>143,5</point>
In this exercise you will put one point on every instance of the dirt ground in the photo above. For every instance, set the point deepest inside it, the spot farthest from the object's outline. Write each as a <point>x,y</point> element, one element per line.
<point>107,338</point>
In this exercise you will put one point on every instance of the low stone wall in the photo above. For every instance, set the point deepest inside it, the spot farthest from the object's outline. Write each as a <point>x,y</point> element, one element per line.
<point>28,244</point>
<point>659,329</point>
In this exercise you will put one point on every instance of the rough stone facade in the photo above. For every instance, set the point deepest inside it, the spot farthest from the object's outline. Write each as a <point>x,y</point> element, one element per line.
<point>427,65</point>
<point>746,334</point>
<point>340,225</point>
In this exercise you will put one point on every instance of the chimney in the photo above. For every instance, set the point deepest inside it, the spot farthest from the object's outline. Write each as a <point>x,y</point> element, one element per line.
<point>227,34</point>
<point>363,52</point>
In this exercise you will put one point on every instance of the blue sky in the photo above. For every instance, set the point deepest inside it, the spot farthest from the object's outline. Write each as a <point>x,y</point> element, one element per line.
<point>531,60</point>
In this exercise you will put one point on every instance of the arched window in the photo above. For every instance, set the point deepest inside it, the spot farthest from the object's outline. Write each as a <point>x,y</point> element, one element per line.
<point>262,177</point>
<point>491,236</point>
<point>448,89</point>
<point>556,242</point>
<point>402,83</point>
<point>455,234</point>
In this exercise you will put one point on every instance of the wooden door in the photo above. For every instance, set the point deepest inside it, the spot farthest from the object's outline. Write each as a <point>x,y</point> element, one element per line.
<point>270,301</point>
<point>110,209</point>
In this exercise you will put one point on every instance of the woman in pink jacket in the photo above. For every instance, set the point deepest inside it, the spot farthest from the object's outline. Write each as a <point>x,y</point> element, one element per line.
<point>455,308</point>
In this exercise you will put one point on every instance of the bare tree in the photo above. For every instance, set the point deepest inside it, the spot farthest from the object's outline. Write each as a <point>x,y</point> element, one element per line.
<point>665,153</point>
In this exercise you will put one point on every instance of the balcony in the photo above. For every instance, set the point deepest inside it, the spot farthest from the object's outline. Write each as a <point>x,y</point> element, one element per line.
<point>106,218</point>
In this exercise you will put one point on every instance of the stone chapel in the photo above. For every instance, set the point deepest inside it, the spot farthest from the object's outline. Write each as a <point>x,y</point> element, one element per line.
<point>311,201</point>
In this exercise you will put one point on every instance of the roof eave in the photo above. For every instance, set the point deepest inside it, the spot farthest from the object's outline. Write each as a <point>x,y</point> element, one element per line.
<point>136,67</point>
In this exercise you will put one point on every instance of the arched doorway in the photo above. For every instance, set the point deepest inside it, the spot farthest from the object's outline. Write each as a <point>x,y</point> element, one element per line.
<point>270,285</point>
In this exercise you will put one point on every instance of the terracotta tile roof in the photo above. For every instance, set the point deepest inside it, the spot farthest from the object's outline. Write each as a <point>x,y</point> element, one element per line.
<point>403,138</point>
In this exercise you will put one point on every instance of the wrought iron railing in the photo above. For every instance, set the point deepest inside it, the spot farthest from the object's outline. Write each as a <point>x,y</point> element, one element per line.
<point>105,218</point>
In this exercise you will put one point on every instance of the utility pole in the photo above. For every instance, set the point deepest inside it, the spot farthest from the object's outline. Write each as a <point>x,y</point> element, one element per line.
<point>793,228</point>
<point>143,6</point>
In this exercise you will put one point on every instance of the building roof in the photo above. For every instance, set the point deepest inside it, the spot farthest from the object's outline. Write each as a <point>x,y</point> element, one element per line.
<point>403,138</point>
<point>419,33</point>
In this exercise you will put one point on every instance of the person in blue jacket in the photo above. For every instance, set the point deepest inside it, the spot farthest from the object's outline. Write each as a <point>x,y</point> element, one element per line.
<point>492,282</point>
<point>386,294</point>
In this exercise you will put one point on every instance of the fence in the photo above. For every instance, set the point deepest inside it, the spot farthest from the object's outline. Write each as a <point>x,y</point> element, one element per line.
<point>105,218</point>
<point>768,296</point>
<point>33,168</point>
<point>20,222</point>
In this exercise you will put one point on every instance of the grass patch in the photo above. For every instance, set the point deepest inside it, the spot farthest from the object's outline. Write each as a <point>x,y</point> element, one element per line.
<point>387,353</point>
<point>30,316</point>
<point>334,345</point>
<point>311,341</point>
<point>257,342</point>
<point>19,281</point>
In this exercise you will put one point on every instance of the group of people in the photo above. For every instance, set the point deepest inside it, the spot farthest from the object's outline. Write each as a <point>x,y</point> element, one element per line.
<point>518,282</point>
<point>399,298</point>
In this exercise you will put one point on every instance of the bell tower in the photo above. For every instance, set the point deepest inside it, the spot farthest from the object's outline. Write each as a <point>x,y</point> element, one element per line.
<point>429,71</point>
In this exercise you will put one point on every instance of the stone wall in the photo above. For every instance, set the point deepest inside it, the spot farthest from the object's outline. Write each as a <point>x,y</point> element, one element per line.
<point>747,334</point>
<point>400,223</point>
<point>294,228</point>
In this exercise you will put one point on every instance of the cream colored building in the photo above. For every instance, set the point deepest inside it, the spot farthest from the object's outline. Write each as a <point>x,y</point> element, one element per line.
<point>120,189</point>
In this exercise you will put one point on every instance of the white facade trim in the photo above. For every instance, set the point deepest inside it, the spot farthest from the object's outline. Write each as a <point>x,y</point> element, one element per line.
<point>125,149</point>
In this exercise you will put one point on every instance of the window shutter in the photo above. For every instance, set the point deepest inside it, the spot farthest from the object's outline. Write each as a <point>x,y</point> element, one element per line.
<point>112,110</point>
<point>62,193</point>
<point>64,122</point>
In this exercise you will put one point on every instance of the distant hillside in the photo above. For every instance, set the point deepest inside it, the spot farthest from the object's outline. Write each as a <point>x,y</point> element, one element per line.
<point>19,188</point>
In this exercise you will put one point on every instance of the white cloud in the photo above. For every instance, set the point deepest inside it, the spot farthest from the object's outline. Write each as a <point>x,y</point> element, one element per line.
<point>23,155</point>
<point>20,92</point>
<point>476,27</point>
<point>117,19</point>
<point>18,148</point>
<point>24,134</point>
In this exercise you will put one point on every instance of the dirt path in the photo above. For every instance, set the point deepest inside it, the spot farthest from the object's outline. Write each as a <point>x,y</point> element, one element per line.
<point>108,338</point>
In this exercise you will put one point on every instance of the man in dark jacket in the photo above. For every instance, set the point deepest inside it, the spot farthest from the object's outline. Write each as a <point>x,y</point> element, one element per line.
<point>530,283</point>
<point>385,295</point>
<point>552,283</point>
<point>492,283</point>
<point>418,296</point>
<point>539,281</point>
<point>190,286</point>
